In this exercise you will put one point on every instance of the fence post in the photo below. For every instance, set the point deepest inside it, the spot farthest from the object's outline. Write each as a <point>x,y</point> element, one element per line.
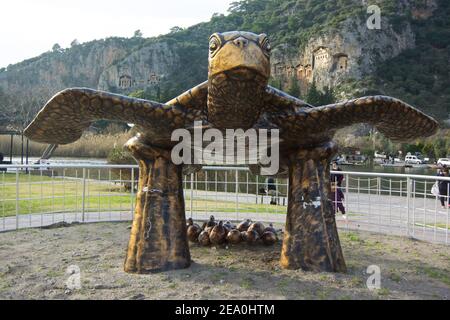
<point>257,189</point>
<point>346,183</point>
<point>408,198</point>
<point>132,192</point>
<point>83,196</point>
<point>379,185</point>
<point>191,201</point>
<point>237,194</point>
<point>17,199</point>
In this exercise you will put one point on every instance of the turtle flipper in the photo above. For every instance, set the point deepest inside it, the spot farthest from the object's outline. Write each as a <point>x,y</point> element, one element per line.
<point>278,102</point>
<point>394,118</point>
<point>194,99</point>
<point>65,116</point>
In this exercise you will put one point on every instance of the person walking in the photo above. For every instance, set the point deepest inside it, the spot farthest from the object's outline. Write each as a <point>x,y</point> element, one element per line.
<point>444,187</point>
<point>337,200</point>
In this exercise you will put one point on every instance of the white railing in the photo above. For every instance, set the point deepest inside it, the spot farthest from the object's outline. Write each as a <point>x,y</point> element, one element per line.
<point>40,195</point>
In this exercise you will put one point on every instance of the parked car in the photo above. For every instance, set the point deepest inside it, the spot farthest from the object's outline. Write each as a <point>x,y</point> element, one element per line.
<point>413,160</point>
<point>444,162</point>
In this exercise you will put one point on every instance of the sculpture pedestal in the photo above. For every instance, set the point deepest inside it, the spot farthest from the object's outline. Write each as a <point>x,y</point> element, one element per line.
<point>158,240</point>
<point>311,240</point>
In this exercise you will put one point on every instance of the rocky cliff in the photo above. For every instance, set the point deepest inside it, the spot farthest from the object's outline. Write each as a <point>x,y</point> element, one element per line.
<point>143,68</point>
<point>325,42</point>
<point>350,52</point>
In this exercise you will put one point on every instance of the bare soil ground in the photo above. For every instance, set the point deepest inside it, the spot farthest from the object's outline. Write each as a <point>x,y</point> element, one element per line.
<point>33,265</point>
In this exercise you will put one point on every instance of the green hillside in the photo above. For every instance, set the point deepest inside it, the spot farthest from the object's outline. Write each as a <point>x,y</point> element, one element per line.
<point>420,76</point>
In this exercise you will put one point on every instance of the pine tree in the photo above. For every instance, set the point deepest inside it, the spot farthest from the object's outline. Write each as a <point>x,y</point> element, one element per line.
<point>56,47</point>
<point>275,83</point>
<point>319,98</point>
<point>314,96</point>
<point>294,88</point>
<point>328,96</point>
<point>138,34</point>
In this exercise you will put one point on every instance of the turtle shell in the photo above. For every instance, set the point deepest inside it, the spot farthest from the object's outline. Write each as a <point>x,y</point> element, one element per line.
<point>258,227</point>
<point>229,225</point>
<point>244,225</point>
<point>218,234</point>
<point>234,236</point>
<point>252,236</point>
<point>227,228</point>
<point>193,231</point>
<point>270,228</point>
<point>203,238</point>
<point>269,238</point>
<point>209,229</point>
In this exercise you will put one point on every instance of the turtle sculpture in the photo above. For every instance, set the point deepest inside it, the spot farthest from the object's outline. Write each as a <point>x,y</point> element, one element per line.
<point>236,95</point>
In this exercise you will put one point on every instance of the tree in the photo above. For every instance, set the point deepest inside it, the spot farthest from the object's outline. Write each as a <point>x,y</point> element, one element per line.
<point>319,98</point>
<point>74,43</point>
<point>175,29</point>
<point>440,150</point>
<point>56,47</point>
<point>138,34</point>
<point>328,96</point>
<point>313,97</point>
<point>276,83</point>
<point>140,94</point>
<point>294,88</point>
<point>148,94</point>
<point>428,150</point>
<point>20,110</point>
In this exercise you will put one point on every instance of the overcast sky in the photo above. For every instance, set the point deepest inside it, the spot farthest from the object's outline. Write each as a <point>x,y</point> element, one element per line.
<point>31,27</point>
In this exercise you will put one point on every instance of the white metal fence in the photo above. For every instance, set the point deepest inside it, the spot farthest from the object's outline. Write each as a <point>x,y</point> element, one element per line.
<point>40,195</point>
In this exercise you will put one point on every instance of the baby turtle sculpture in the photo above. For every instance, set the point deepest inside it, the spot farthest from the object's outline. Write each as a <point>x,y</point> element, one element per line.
<point>236,95</point>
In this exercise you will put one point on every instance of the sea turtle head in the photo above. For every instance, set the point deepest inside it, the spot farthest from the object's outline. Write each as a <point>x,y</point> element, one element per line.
<point>244,55</point>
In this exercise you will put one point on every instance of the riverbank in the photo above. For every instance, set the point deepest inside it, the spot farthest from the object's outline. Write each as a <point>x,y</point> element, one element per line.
<point>88,146</point>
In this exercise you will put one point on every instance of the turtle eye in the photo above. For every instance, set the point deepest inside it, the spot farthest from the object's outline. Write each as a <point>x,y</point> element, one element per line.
<point>265,45</point>
<point>214,45</point>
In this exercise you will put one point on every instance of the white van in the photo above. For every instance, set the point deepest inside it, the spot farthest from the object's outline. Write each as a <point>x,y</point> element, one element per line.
<point>444,162</point>
<point>413,160</point>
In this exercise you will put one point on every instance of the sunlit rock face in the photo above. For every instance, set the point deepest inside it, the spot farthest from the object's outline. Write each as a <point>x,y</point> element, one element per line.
<point>143,69</point>
<point>350,52</point>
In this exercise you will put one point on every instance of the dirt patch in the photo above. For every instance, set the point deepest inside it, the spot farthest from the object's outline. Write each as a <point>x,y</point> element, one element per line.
<point>34,262</point>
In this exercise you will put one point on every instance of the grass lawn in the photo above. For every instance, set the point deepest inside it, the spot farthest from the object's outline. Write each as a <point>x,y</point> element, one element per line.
<point>44,194</point>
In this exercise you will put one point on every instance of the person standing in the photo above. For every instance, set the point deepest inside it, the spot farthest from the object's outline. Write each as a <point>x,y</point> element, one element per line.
<point>272,190</point>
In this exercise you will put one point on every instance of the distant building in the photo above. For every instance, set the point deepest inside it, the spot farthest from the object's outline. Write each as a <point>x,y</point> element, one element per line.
<point>124,82</point>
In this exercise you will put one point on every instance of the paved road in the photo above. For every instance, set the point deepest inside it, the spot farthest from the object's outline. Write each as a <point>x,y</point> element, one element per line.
<point>372,207</point>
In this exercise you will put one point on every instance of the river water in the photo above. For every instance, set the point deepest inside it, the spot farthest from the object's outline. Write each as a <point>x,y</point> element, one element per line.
<point>424,170</point>
<point>401,170</point>
<point>353,168</point>
<point>61,161</point>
